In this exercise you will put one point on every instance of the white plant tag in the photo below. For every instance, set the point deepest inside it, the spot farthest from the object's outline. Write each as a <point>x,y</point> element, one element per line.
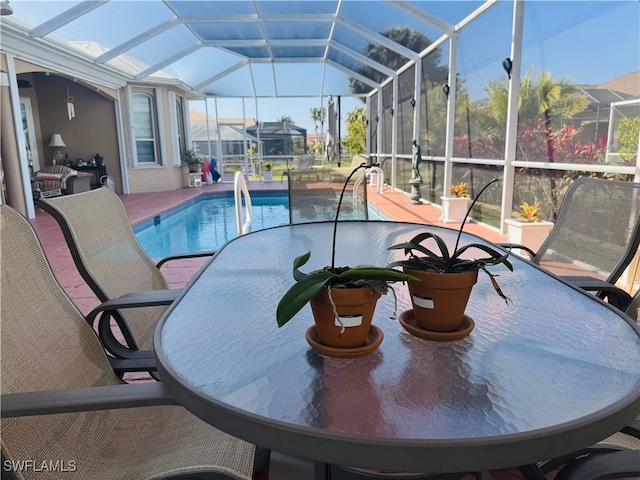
<point>423,302</point>
<point>349,320</point>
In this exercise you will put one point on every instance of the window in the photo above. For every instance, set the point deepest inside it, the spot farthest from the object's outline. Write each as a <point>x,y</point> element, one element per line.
<point>144,127</point>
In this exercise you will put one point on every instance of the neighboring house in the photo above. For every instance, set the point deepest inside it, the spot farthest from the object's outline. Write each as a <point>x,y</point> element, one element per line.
<point>280,138</point>
<point>205,132</point>
<point>594,120</point>
<point>312,139</point>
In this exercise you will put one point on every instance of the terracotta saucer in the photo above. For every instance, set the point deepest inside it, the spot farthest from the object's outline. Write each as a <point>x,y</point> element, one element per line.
<point>408,321</point>
<point>373,341</point>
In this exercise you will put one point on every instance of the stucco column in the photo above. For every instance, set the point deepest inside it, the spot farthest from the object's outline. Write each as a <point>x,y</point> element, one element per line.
<point>9,154</point>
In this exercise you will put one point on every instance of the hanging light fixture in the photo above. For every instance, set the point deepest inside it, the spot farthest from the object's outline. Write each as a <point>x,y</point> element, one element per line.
<point>507,64</point>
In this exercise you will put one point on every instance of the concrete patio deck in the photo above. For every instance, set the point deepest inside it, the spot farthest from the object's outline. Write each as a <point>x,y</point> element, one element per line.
<point>142,206</point>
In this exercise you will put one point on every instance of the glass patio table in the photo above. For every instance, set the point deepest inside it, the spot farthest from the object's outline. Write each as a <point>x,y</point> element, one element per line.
<point>553,371</point>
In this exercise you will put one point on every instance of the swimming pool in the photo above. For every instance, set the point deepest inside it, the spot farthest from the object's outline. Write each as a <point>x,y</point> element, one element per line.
<point>209,221</point>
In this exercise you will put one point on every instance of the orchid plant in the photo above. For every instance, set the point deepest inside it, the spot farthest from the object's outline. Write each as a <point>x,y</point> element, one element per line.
<point>308,285</point>
<point>443,260</point>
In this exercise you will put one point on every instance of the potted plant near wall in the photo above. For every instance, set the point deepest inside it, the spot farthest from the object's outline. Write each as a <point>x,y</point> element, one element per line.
<point>267,174</point>
<point>527,229</point>
<point>342,299</point>
<point>190,159</point>
<point>447,277</point>
<point>454,207</point>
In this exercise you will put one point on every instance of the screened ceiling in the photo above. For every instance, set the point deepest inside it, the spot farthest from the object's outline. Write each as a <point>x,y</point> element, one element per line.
<point>241,48</point>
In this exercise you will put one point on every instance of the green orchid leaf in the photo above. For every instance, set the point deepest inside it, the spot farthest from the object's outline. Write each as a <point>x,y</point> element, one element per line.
<point>416,244</point>
<point>299,295</point>
<point>420,265</point>
<point>297,263</point>
<point>375,273</point>
<point>495,258</point>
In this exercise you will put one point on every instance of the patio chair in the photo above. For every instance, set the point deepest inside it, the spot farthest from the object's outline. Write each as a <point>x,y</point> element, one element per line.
<point>305,162</point>
<point>617,456</point>
<point>340,174</point>
<point>596,235</point>
<point>305,166</point>
<point>112,262</point>
<point>65,412</point>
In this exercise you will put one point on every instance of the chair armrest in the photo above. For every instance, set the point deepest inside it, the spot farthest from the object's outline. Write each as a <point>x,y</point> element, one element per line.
<point>135,361</point>
<point>614,295</point>
<point>69,183</point>
<point>620,464</point>
<point>183,256</point>
<point>110,308</point>
<point>85,399</point>
<point>633,428</point>
<point>511,246</point>
<point>151,298</point>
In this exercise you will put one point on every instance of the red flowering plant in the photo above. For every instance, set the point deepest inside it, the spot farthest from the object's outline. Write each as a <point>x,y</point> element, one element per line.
<point>538,142</point>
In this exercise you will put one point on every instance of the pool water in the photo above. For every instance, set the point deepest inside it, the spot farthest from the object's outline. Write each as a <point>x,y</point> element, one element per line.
<point>209,221</point>
<point>206,223</point>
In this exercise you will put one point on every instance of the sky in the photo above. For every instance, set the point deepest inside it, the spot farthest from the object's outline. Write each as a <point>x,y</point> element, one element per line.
<point>558,36</point>
<point>589,42</point>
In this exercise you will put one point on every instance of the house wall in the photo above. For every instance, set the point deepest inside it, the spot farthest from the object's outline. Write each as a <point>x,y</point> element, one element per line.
<point>157,178</point>
<point>94,128</point>
<point>92,131</point>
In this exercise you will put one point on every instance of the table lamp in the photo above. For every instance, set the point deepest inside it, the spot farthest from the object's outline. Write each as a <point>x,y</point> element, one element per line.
<point>57,142</point>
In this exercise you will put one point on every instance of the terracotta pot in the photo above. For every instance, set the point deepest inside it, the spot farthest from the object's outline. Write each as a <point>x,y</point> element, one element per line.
<point>439,299</point>
<point>355,307</point>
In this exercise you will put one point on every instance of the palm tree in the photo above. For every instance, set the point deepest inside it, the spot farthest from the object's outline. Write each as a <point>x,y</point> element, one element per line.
<point>542,100</point>
<point>318,114</point>
<point>540,95</point>
<point>284,119</point>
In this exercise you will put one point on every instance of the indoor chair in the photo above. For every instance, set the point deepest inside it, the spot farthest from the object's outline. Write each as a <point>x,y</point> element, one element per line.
<point>54,180</point>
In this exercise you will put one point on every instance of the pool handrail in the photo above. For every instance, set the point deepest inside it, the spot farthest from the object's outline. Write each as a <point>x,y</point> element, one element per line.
<point>240,189</point>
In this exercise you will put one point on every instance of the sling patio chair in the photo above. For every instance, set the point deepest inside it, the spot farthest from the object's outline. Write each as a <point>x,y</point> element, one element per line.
<point>596,234</point>
<point>65,414</point>
<point>112,262</point>
<point>617,456</point>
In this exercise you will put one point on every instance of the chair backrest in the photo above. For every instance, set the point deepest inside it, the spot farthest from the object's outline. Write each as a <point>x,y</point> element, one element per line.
<point>46,342</point>
<point>63,169</point>
<point>597,231</point>
<point>306,161</point>
<point>107,253</point>
<point>38,318</point>
<point>358,160</point>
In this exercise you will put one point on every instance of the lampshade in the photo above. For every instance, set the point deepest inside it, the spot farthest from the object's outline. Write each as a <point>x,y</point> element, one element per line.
<point>56,141</point>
